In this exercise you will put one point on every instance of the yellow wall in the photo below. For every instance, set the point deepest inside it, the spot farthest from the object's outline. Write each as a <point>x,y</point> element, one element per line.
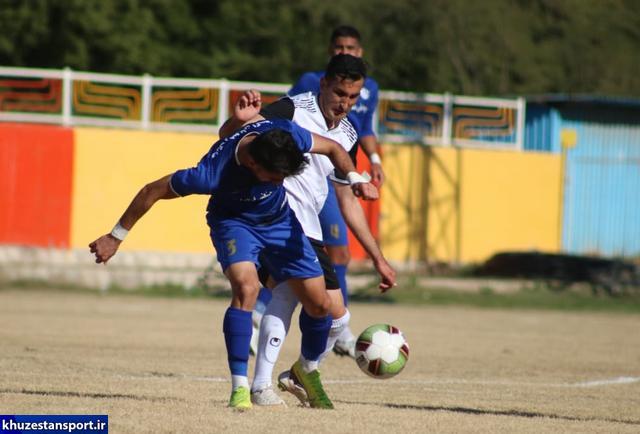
<point>111,165</point>
<point>437,203</point>
<point>510,201</point>
<point>464,205</point>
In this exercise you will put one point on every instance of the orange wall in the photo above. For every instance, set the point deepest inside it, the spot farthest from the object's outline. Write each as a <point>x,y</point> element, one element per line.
<point>371,210</point>
<point>36,163</point>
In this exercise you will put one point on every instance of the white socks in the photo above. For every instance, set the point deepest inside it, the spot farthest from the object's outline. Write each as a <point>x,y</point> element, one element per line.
<point>338,327</point>
<point>239,381</point>
<point>273,330</point>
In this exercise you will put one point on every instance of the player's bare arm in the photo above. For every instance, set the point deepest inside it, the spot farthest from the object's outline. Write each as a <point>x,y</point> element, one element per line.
<point>342,161</point>
<point>246,110</point>
<point>370,146</point>
<point>357,222</point>
<point>107,245</point>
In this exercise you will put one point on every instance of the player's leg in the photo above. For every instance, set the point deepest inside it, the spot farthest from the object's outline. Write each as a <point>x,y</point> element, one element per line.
<point>334,233</point>
<point>273,330</point>
<point>315,325</point>
<point>275,326</point>
<point>264,297</point>
<point>295,261</point>
<point>237,251</point>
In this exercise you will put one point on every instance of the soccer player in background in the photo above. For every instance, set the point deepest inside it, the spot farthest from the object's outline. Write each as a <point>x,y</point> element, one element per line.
<point>344,40</point>
<point>325,114</point>
<point>248,214</point>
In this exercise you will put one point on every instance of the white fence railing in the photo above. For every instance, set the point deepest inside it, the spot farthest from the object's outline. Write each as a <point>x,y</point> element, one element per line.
<point>71,98</point>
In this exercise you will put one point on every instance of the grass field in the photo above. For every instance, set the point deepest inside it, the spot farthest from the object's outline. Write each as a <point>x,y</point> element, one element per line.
<point>159,365</point>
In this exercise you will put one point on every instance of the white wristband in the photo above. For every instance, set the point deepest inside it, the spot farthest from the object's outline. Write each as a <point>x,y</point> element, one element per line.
<point>356,178</point>
<point>119,232</point>
<point>375,158</point>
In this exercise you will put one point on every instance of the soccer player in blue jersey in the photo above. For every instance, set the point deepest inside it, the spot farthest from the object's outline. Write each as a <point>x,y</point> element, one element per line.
<point>248,214</point>
<point>324,114</point>
<point>344,40</point>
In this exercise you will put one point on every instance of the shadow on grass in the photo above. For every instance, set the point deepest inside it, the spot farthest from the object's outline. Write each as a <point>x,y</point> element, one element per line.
<point>482,411</point>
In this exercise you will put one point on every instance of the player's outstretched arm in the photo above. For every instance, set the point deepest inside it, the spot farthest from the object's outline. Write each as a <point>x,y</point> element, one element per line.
<point>370,146</point>
<point>342,162</point>
<point>245,110</point>
<point>107,245</point>
<point>357,222</point>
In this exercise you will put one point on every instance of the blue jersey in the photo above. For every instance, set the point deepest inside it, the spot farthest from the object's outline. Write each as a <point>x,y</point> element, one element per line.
<point>235,192</point>
<point>361,114</point>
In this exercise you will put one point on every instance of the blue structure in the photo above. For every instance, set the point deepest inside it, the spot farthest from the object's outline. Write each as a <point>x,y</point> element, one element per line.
<point>601,200</point>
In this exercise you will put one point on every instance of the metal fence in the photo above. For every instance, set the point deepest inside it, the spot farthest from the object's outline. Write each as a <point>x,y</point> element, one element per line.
<point>71,98</point>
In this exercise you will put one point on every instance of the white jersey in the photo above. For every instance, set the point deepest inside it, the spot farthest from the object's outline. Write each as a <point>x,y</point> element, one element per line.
<point>308,191</point>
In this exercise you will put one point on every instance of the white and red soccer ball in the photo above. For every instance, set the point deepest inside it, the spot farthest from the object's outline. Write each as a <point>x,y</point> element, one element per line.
<point>382,351</point>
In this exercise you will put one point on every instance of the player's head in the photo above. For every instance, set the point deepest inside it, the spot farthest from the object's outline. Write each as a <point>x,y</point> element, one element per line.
<point>345,40</point>
<point>274,156</point>
<point>340,87</point>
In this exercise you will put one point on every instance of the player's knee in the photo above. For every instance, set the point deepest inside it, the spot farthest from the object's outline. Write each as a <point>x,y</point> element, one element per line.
<point>319,308</point>
<point>246,293</point>
<point>340,255</point>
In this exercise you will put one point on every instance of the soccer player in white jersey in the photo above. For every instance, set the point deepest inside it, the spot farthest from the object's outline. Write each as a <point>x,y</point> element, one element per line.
<point>324,114</point>
<point>344,40</point>
<point>248,214</point>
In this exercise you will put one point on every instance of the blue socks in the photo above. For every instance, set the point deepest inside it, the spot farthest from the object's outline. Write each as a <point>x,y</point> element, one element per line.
<point>315,332</point>
<point>237,330</point>
<point>264,297</point>
<point>341,271</point>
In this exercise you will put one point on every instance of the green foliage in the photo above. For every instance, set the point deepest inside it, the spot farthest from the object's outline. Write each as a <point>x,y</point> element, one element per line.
<point>492,47</point>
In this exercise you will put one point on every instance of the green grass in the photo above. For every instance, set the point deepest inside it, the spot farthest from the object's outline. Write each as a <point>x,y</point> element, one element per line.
<point>485,297</point>
<point>409,292</point>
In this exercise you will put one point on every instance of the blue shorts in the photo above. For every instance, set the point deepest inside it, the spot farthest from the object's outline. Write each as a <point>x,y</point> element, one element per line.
<point>283,243</point>
<point>334,229</point>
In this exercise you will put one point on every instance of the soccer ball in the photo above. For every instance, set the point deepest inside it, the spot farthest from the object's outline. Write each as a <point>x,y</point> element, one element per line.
<point>382,351</point>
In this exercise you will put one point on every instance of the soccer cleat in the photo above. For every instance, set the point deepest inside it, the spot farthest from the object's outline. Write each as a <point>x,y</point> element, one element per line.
<point>266,397</point>
<point>345,348</point>
<point>311,384</point>
<point>240,399</point>
<point>287,384</point>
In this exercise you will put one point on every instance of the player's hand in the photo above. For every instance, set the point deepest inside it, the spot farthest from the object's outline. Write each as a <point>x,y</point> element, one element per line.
<point>247,106</point>
<point>104,248</point>
<point>377,175</point>
<point>387,274</point>
<point>365,190</point>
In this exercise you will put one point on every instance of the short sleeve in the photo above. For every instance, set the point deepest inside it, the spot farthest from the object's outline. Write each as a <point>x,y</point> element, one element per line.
<point>308,82</point>
<point>202,179</point>
<point>281,109</point>
<point>366,125</point>
<point>303,137</point>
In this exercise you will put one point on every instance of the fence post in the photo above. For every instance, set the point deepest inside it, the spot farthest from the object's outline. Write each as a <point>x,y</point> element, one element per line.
<point>447,120</point>
<point>67,83</point>
<point>522,107</point>
<point>147,82</point>
<point>223,102</point>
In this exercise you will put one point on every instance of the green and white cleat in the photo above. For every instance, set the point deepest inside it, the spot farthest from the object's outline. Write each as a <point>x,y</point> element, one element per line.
<point>240,399</point>
<point>345,348</point>
<point>287,384</point>
<point>311,384</point>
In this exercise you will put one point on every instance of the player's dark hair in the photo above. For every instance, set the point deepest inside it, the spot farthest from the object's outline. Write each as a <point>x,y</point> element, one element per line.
<point>344,32</point>
<point>344,66</point>
<point>277,152</point>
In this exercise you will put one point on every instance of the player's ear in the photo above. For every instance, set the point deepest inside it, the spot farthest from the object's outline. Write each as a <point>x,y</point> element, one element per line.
<point>323,82</point>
